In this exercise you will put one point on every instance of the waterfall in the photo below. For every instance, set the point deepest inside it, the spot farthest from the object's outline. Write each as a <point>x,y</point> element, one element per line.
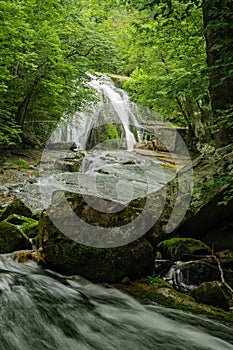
<point>114,107</point>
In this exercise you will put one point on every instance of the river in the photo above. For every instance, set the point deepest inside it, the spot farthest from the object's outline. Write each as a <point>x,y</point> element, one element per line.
<point>43,310</point>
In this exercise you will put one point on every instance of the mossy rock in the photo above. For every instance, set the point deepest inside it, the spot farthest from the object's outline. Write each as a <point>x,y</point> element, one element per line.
<point>36,216</point>
<point>27,225</point>
<point>16,207</point>
<point>213,293</point>
<point>179,248</point>
<point>12,238</point>
<point>154,289</point>
<point>64,255</point>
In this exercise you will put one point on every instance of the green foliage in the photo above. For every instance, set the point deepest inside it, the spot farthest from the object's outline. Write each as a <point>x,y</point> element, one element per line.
<point>157,282</point>
<point>175,248</point>
<point>167,61</point>
<point>46,49</point>
<point>224,121</point>
<point>207,189</point>
<point>10,132</point>
<point>23,164</point>
<point>112,132</point>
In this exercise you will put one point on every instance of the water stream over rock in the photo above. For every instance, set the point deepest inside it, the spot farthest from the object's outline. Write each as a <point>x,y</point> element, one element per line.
<point>44,310</point>
<point>114,108</point>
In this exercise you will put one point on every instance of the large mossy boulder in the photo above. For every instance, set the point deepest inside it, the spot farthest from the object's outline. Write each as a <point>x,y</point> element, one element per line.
<point>11,238</point>
<point>62,254</point>
<point>29,226</point>
<point>213,293</point>
<point>17,206</point>
<point>182,248</point>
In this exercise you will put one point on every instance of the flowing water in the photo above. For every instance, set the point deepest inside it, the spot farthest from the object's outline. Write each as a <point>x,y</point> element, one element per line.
<point>116,174</point>
<point>42,310</point>
<point>114,107</point>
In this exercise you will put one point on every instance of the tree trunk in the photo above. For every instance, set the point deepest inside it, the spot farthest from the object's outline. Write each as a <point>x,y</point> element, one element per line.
<point>218,17</point>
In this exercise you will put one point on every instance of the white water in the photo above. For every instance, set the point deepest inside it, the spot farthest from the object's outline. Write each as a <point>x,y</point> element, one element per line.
<point>42,310</point>
<point>114,107</point>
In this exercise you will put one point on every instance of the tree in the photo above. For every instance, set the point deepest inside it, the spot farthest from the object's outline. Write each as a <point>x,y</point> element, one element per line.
<point>46,49</point>
<point>218,26</point>
<point>170,69</point>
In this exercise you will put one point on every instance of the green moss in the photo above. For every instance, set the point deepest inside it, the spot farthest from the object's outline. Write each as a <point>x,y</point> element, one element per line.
<point>23,164</point>
<point>11,238</point>
<point>133,129</point>
<point>28,226</point>
<point>112,132</point>
<point>36,216</point>
<point>156,290</point>
<point>16,207</point>
<point>175,248</point>
<point>157,282</point>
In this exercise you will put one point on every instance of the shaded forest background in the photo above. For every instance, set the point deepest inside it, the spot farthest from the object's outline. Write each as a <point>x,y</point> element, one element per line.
<point>178,55</point>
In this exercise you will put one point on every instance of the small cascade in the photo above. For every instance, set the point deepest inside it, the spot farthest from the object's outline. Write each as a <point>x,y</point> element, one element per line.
<point>41,309</point>
<point>114,108</point>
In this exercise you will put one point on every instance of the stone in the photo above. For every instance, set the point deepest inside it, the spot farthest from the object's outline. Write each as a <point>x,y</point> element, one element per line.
<point>16,207</point>
<point>27,225</point>
<point>181,248</point>
<point>12,238</point>
<point>61,161</point>
<point>26,255</point>
<point>112,265</point>
<point>213,293</point>
<point>61,146</point>
<point>185,276</point>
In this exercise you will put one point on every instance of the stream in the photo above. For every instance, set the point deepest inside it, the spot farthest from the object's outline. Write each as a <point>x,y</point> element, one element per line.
<point>41,309</point>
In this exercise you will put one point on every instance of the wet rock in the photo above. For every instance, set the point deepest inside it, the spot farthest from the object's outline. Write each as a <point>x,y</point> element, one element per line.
<point>112,265</point>
<point>181,248</point>
<point>61,161</point>
<point>213,293</point>
<point>27,225</point>
<point>226,258</point>
<point>185,276</point>
<point>144,145</point>
<point>61,146</point>
<point>12,238</point>
<point>16,207</point>
<point>26,255</point>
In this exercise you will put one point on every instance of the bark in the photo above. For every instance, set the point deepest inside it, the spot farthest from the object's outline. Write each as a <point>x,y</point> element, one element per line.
<point>218,16</point>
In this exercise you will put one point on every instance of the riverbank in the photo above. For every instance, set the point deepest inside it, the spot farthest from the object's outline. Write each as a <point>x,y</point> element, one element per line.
<point>22,167</point>
<point>156,290</point>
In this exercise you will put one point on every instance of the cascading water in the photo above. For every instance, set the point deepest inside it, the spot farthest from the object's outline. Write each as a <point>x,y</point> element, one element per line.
<point>114,107</point>
<point>138,175</point>
<point>44,310</point>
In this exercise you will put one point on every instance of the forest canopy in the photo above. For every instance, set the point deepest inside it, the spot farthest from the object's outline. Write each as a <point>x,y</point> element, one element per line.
<point>178,55</point>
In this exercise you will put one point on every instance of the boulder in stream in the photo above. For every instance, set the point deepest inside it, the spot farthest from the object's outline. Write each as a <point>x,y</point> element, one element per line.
<point>17,206</point>
<point>213,293</point>
<point>29,226</point>
<point>65,255</point>
<point>12,238</point>
<point>182,248</point>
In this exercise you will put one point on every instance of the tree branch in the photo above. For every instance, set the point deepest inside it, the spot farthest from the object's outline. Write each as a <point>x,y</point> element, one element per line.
<point>76,52</point>
<point>221,271</point>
